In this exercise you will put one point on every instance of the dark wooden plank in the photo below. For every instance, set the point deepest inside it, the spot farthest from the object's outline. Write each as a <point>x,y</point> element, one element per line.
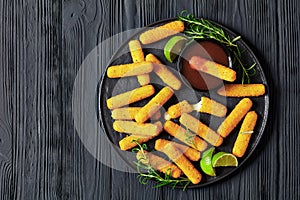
<point>288,105</point>
<point>84,177</point>
<point>6,177</point>
<point>30,42</point>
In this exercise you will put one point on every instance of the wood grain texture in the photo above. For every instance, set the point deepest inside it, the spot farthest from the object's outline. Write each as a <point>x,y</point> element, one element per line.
<point>288,107</point>
<point>43,44</point>
<point>6,176</point>
<point>30,60</point>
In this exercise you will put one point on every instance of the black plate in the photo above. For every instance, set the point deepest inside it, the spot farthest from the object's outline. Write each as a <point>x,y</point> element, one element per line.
<point>110,87</point>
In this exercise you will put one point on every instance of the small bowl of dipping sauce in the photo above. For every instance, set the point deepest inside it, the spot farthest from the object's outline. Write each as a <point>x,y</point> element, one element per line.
<point>207,50</point>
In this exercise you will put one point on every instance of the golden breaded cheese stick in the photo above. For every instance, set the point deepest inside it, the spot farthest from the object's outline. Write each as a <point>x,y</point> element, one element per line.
<point>190,153</point>
<point>212,68</point>
<point>152,58</point>
<point>131,141</point>
<point>182,162</point>
<point>143,79</point>
<point>242,90</point>
<point>128,113</point>
<point>154,104</point>
<point>136,51</point>
<point>243,138</point>
<point>164,73</point>
<point>201,129</point>
<point>128,142</point>
<point>161,32</point>
<point>206,105</point>
<point>212,107</point>
<point>134,128</point>
<point>125,113</point>
<point>236,115</point>
<point>158,163</point>
<point>137,56</point>
<point>176,110</point>
<point>129,97</point>
<point>131,69</point>
<point>185,136</point>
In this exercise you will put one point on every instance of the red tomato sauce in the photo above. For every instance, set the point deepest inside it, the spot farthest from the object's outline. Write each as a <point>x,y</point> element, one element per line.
<point>210,51</point>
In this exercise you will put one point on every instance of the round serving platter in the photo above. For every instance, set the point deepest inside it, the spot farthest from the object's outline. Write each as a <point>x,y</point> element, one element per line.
<point>109,87</point>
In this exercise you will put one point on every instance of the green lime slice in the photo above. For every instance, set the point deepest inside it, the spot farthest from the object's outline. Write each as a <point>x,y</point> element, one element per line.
<point>223,159</point>
<point>173,47</point>
<point>206,162</point>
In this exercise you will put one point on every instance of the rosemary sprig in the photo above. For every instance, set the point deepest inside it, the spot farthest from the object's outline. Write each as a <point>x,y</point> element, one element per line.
<point>147,172</point>
<point>190,137</point>
<point>204,29</point>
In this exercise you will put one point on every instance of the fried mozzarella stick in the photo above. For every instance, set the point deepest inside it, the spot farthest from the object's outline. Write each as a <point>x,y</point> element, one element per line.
<point>161,32</point>
<point>154,104</point>
<point>131,141</point>
<point>212,68</point>
<point>130,97</point>
<point>134,128</point>
<point>128,113</point>
<point>158,163</point>
<point>236,115</point>
<point>185,136</point>
<point>131,69</point>
<point>206,105</point>
<point>242,90</point>
<point>212,107</point>
<point>136,51</point>
<point>178,109</point>
<point>181,161</point>
<point>244,135</point>
<point>190,153</point>
<point>164,73</point>
<point>201,129</point>
<point>137,56</point>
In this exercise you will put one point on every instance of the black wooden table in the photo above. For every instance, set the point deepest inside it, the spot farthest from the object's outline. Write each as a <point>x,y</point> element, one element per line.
<point>43,44</point>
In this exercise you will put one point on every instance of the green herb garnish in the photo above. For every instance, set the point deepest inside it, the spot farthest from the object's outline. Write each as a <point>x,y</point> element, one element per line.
<point>204,29</point>
<point>190,137</point>
<point>147,172</point>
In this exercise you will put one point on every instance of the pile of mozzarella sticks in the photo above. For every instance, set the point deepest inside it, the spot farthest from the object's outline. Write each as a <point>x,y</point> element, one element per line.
<point>193,136</point>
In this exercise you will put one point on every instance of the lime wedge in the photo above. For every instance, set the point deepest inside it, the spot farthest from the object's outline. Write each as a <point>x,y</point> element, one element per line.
<point>173,47</point>
<point>205,162</point>
<point>223,159</point>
